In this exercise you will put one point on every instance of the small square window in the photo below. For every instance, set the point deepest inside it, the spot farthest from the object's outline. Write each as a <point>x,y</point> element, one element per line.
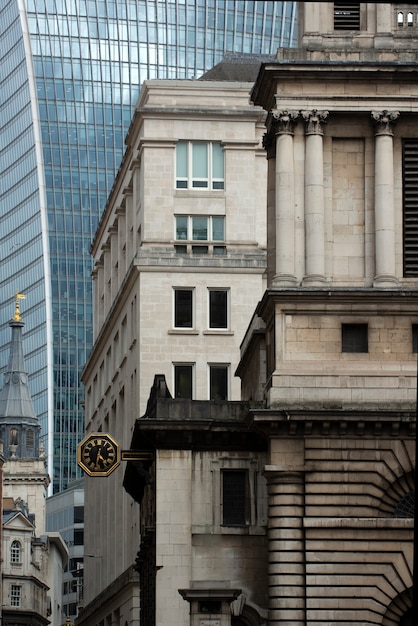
<point>354,338</point>
<point>183,308</point>
<point>183,381</point>
<point>235,505</point>
<point>218,382</point>
<point>218,308</point>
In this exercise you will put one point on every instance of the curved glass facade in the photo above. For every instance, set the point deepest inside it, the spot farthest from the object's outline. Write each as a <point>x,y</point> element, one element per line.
<point>70,72</point>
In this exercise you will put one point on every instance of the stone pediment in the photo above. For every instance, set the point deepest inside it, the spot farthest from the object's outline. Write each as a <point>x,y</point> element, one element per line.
<point>15,520</point>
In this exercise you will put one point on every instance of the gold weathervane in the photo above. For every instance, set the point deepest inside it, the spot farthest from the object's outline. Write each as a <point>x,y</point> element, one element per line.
<point>18,297</point>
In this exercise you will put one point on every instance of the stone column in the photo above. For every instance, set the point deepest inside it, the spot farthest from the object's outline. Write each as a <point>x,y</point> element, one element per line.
<point>314,198</point>
<point>384,207</point>
<point>285,198</point>
<point>286,545</point>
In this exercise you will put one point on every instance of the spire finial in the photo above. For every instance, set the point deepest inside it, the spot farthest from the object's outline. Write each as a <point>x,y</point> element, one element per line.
<point>19,296</point>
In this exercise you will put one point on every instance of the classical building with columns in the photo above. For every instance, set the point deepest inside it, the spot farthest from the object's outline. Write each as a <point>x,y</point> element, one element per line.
<point>296,505</point>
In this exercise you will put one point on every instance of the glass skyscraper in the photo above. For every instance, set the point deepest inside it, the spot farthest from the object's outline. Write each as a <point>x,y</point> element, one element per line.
<point>70,73</point>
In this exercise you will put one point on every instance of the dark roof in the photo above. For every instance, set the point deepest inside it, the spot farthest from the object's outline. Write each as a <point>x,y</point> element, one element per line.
<point>238,67</point>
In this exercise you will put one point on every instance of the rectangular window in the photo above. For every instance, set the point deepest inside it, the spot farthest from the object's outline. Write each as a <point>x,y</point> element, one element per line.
<point>183,308</point>
<point>218,308</point>
<point>410,207</point>
<point>199,228</point>
<point>199,165</point>
<point>15,595</point>
<point>415,338</point>
<point>354,338</point>
<point>235,505</point>
<point>218,382</point>
<point>346,15</point>
<point>183,381</point>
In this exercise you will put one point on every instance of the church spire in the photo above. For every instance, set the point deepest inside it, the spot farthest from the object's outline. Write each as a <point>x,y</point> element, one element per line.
<point>19,426</point>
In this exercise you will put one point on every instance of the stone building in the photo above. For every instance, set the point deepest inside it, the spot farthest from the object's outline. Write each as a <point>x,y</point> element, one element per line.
<point>328,363</point>
<point>32,559</point>
<point>179,266</point>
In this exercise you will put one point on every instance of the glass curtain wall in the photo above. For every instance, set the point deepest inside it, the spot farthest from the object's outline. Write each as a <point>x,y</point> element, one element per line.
<point>70,72</point>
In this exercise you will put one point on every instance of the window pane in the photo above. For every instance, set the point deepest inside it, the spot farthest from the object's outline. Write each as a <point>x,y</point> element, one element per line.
<point>354,338</point>
<point>219,382</point>
<point>200,160</point>
<point>183,308</point>
<point>200,229</point>
<point>181,160</point>
<point>217,160</point>
<point>218,228</point>
<point>234,500</point>
<point>218,309</point>
<point>183,381</point>
<point>181,227</point>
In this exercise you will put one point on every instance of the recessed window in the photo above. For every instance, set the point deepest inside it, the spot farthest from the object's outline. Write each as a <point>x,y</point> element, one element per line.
<point>183,380</point>
<point>15,552</point>
<point>218,382</point>
<point>200,228</point>
<point>354,338</point>
<point>410,206</point>
<point>235,505</point>
<point>183,308</point>
<point>199,165</point>
<point>15,595</point>
<point>346,15</point>
<point>218,308</point>
<point>415,338</point>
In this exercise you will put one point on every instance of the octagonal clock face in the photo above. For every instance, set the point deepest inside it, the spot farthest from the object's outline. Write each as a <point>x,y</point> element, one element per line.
<point>98,454</point>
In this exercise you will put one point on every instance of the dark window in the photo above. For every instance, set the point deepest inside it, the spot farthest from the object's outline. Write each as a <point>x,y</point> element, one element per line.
<point>415,338</point>
<point>354,338</point>
<point>406,506</point>
<point>410,207</point>
<point>218,308</point>
<point>346,15</point>
<point>78,537</point>
<point>183,308</point>
<point>234,497</point>
<point>218,382</point>
<point>407,619</point>
<point>78,514</point>
<point>183,381</point>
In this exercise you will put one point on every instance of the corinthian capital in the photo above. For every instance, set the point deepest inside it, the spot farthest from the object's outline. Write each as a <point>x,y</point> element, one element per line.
<point>285,121</point>
<point>314,121</point>
<point>384,121</point>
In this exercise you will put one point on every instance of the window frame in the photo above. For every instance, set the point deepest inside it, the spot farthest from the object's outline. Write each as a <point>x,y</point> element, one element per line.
<point>226,313</point>
<point>176,292</point>
<point>190,230</point>
<point>192,381</point>
<point>186,162</point>
<point>16,552</point>
<point>15,595</point>
<point>226,368</point>
<point>244,513</point>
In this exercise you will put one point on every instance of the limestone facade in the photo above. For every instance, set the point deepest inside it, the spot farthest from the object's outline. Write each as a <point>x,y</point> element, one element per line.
<point>142,256</point>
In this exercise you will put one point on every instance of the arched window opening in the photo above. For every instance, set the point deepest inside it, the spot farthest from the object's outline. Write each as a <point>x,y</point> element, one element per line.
<point>16,552</point>
<point>406,620</point>
<point>406,506</point>
<point>410,19</point>
<point>400,18</point>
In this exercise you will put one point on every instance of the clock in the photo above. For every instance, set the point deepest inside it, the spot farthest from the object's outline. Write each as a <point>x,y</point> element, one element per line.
<point>98,454</point>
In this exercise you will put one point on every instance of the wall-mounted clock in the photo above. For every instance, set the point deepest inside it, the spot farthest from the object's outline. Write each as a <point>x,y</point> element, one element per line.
<point>98,454</point>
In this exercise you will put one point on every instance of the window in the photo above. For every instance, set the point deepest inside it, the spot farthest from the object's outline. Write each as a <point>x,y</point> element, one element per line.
<point>218,382</point>
<point>78,514</point>
<point>199,165</point>
<point>218,308</point>
<point>415,338</point>
<point>354,338</point>
<point>410,207</point>
<point>15,595</point>
<point>346,15</point>
<point>183,380</point>
<point>197,232</point>
<point>183,308</point>
<point>235,510</point>
<point>15,552</point>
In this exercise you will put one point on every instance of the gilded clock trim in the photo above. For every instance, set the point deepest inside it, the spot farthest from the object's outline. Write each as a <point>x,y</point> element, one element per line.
<point>98,454</point>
